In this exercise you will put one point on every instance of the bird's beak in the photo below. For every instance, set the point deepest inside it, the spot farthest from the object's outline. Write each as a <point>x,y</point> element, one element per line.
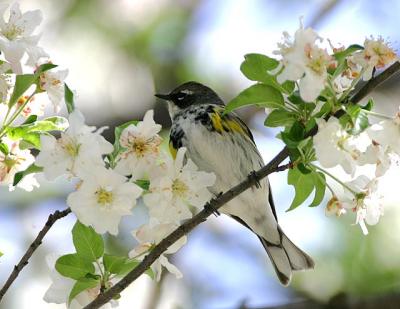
<point>163,96</point>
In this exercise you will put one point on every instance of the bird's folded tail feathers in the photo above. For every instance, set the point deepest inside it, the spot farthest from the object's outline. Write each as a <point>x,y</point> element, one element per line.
<point>286,257</point>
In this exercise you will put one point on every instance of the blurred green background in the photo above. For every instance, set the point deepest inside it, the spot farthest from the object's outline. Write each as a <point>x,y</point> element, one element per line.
<point>119,53</point>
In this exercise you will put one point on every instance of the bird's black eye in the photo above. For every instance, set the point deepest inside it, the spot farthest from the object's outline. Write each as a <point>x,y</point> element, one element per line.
<point>181,96</point>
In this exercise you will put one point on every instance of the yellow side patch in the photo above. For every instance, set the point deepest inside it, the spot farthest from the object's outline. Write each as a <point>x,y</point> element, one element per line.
<point>234,126</point>
<point>172,150</point>
<point>216,122</point>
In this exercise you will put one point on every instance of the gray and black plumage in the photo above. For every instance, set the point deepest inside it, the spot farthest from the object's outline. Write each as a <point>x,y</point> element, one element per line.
<point>223,144</point>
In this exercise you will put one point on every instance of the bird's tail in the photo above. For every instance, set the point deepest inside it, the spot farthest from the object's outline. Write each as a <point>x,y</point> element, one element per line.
<point>286,257</point>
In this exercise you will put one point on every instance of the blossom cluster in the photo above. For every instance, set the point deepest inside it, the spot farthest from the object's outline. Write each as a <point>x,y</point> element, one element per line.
<point>308,87</point>
<point>306,61</point>
<point>377,146</point>
<point>110,179</point>
<point>328,78</point>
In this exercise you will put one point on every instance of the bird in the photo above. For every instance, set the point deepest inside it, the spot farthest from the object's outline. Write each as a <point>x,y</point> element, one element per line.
<point>221,143</point>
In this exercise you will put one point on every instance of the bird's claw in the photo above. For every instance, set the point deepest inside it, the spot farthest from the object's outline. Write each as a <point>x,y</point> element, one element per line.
<point>253,177</point>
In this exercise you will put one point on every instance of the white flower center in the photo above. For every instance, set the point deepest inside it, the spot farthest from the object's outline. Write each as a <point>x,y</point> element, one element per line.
<point>69,145</point>
<point>317,60</point>
<point>104,196</point>
<point>179,188</point>
<point>12,32</point>
<point>141,146</point>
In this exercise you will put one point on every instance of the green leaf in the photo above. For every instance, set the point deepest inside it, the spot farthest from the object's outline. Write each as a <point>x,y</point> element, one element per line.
<point>359,118</point>
<point>30,133</point>
<point>256,67</point>
<point>4,149</point>
<point>88,244</point>
<point>303,169</point>
<point>310,125</point>
<point>287,139</point>
<point>295,98</point>
<point>120,265</point>
<point>69,99</point>
<point>1,254</point>
<point>320,187</point>
<point>369,106</point>
<point>74,266</point>
<point>54,123</point>
<point>340,56</point>
<point>279,118</point>
<point>297,131</point>
<point>325,110</point>
<point>43,68</point>
<point>49,124</point>
<point>258,94</point>
<point>143,183</point>
<point>303,185</point>
<point>30,170</point>
<point>30,119</point>
<point>22,84</point>
<point>81,285</point>
<point>30,140</point>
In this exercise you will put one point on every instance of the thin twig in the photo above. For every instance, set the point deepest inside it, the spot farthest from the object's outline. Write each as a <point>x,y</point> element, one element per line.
<point>32,248</point>
<point>215,204</point>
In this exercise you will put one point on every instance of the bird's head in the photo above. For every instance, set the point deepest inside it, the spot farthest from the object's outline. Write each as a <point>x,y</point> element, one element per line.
<point>189,94</point>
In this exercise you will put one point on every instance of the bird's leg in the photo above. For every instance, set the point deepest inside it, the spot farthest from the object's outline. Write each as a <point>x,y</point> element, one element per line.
<point>209,207</point>
<point>253,177</point>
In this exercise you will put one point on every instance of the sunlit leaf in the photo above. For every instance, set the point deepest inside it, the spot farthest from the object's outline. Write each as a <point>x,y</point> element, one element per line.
<point>279,118</point>
<point>303,185</point>
<point>30,170</point>
<point>22,84</point>
<point>81,285</point>
<point>320,187</point>
<point>74,266</point>
<point>258,94</point>
<point>87,242</point>
<point>120,265</point>
<point>256,67</point>
<point>69,99</point>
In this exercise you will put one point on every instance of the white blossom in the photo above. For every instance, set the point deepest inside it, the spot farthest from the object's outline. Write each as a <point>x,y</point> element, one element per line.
<point>78,149</point>
<point>175,186</point>
<point>303,60</point>
<point>368,205</point>
<point>103,197</point>
<point>16,36</point>
<point>378,155</point>
<point>53,83</point>
<point>151,234</point>
<point>141,145</point>
<point>387,134</point>
<point>376,54</point>
<point>334,146</point>
<point>15,161</point>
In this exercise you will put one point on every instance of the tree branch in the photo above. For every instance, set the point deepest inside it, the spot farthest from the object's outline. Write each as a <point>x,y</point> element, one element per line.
<point>32,248</point>
<point>215,204</point>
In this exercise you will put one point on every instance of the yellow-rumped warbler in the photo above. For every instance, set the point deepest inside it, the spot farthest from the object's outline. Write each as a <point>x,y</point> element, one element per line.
<point>223,144</point>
